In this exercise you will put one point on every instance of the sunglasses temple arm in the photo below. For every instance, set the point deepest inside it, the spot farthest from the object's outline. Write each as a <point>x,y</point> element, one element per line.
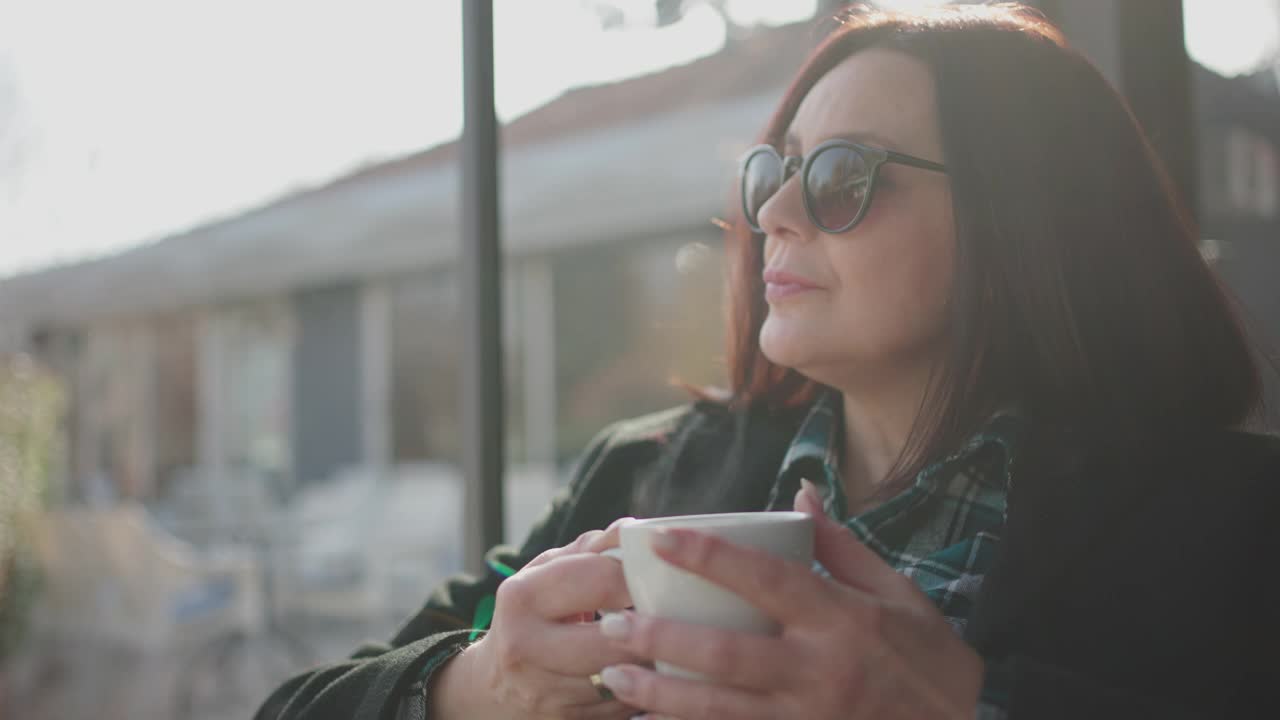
<point>914,161</point>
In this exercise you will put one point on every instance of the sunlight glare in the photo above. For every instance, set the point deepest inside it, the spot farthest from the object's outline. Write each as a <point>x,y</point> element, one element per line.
<point>1231,37</point>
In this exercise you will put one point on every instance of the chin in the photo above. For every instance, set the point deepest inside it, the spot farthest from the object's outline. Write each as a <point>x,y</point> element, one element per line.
<point>785,347</point>
<point>815,353</point>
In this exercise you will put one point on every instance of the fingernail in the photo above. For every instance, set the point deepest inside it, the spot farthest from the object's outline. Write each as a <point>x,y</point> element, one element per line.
<point>615,625</point>
<point>814,495</point>
<point>616,680</point>
<point>663,540</point>
<point>807,486</point>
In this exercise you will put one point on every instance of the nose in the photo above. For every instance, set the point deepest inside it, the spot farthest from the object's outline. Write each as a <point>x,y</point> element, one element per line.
<point>783,216</point>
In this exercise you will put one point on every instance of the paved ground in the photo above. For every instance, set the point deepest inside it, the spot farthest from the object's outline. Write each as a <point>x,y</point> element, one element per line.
<point>61,681</point>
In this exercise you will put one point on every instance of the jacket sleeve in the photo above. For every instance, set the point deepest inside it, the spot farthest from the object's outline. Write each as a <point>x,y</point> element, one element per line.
<point>370,684</point>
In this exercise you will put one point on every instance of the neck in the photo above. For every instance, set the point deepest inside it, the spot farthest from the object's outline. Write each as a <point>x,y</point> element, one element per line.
<point>878,418</point>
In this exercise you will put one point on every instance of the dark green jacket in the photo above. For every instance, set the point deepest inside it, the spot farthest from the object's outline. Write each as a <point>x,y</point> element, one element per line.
<point>1135,581</point>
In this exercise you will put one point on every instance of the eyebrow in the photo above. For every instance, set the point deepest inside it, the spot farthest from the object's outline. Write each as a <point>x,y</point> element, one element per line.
<point>857,136</point>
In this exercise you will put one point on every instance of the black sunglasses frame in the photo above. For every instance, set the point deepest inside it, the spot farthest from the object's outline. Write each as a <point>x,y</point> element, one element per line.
<point>873,156</point>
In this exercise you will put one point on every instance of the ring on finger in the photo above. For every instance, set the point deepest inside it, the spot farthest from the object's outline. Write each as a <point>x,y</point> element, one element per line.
<point>602,690</point>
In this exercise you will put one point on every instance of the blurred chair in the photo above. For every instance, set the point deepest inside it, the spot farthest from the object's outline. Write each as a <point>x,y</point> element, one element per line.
<point>235,511</point>
<point>326,563</point>
<point>365,546</point>
<point>210,508</point>
<point>113,575</point>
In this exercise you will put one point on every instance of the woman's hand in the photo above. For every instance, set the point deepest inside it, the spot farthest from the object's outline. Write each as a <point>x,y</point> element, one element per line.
<point>542,647</point>
<point>865,644</point>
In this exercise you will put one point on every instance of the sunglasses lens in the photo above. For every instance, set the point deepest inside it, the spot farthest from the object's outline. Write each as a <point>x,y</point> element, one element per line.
<point>761,178</point>
<point>837,185</point>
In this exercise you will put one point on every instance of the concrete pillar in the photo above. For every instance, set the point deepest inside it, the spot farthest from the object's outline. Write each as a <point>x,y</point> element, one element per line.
<point>143,450</point>
<point>211,453</point>
<point>375,371</point>
<point>538,324</point>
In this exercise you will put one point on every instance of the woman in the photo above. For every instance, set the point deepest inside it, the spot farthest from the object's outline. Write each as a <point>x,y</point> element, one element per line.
<point>969,311</point>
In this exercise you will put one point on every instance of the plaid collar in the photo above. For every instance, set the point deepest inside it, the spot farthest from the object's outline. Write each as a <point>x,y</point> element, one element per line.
<point>941,530</point>
<point>814,455</point>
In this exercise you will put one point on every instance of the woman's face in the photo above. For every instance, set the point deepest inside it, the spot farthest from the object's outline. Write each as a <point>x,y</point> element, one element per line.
<point>871,300</point>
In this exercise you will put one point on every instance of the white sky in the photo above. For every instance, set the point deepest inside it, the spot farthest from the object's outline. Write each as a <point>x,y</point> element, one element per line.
<point>123,121</point>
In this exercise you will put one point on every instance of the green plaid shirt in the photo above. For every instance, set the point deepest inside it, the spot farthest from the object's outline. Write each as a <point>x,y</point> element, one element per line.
<point>941,531</point>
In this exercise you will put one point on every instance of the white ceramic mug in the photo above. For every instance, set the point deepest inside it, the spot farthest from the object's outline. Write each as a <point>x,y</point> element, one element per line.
<point>659,589</point>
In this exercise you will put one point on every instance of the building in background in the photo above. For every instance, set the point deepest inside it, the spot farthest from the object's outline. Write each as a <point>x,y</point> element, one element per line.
<point>318,336</point>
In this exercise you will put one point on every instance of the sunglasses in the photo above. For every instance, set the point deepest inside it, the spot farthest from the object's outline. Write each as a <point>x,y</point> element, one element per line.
<point>837,178</point>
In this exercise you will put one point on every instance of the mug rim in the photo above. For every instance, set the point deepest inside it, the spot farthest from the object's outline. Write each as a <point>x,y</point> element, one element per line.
<point>709,520</point>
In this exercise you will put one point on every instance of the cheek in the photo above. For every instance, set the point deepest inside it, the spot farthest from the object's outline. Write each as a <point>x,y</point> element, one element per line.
<point>895,289</point>
<point>927,286</point>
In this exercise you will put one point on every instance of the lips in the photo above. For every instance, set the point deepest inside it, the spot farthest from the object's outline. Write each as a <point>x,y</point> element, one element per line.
<point>779,285</point>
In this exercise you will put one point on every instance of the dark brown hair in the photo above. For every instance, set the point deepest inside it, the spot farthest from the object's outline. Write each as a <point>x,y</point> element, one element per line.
<point>1080,295</point>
